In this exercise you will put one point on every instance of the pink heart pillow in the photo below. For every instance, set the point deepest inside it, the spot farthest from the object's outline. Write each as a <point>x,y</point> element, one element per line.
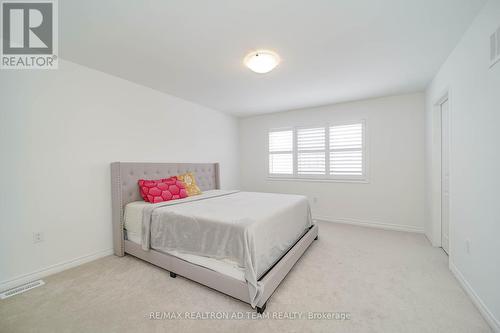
<point>162,189</point>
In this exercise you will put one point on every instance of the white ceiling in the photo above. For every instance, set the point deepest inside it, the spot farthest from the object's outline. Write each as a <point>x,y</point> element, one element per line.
<point>332,50</point>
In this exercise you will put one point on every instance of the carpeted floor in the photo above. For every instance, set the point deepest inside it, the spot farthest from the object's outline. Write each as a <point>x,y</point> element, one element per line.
<point>383,281</point>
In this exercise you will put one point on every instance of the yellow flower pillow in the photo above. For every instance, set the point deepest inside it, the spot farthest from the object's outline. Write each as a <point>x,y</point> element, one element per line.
<point>190,182</point>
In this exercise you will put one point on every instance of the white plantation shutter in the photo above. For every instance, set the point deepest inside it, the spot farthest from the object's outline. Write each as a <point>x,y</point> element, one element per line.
<point>281,141</point>
<point>281,164</point>
<point>335,152</point>
<point>311,148</point>
<point>346,150</point>
<point>281,152</point>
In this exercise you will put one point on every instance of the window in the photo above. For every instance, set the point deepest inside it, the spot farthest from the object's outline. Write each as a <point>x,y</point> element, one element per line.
<point>335,152</point>
<point>346,150</point>
<point>311,151</point>
<point>281,152</point>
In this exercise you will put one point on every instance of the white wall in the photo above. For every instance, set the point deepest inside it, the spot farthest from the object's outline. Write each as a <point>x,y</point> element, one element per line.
<point>60,130</point>
<point>475,161</point>
<point>394,196</point>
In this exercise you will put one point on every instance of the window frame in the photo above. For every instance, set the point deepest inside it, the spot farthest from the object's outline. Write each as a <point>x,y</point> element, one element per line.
<point>364,178</point>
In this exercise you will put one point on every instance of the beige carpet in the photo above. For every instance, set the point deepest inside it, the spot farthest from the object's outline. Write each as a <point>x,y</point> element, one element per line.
<point>386,281</point>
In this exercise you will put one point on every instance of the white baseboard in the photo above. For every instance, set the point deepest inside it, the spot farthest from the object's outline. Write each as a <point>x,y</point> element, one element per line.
<point>371,224</point>
<point>25,278</point>
<point>478,302</point>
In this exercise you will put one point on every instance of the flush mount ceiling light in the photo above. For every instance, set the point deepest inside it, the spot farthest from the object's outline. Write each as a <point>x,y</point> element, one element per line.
<point>262,61</point>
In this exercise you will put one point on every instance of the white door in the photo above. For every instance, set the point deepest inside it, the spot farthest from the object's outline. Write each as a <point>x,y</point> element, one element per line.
<point>445,176</point>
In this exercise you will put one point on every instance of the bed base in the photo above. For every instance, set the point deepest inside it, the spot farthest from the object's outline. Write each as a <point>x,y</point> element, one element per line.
<point>124,176</point>
<point>259,309</point>
<point>223,283</point>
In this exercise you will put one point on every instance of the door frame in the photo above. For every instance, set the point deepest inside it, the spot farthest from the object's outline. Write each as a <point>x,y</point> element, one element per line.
<point>437,170</point>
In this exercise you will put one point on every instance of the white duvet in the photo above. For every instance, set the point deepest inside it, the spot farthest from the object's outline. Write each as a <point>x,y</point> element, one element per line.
<point>250,229</point>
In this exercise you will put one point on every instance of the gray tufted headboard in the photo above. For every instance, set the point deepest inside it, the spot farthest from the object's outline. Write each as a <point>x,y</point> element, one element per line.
<point>124,188</point>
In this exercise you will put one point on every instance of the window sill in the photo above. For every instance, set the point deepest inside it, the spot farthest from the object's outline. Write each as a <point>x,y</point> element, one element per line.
<point>318,180</point>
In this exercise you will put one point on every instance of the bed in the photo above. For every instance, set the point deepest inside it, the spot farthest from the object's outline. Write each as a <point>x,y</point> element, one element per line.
<point>242,244</point>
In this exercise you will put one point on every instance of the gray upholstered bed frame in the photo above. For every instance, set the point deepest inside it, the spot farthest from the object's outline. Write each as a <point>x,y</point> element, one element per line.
<point>124,177</point>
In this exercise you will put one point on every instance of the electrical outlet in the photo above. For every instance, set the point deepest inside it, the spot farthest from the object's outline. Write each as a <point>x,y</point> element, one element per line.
<point>37,237</point>
<point>467,246</point>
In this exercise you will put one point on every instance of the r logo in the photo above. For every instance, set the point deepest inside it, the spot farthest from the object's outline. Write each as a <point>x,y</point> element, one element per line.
<point>27,28</point>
